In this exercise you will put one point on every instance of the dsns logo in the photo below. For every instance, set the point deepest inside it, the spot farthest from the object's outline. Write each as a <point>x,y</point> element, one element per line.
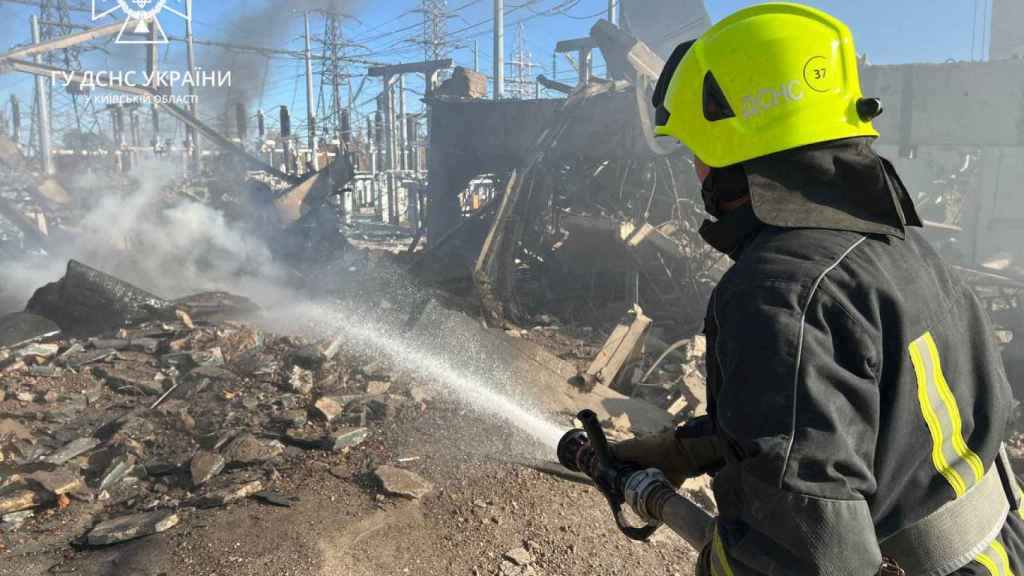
<point>142,22</point>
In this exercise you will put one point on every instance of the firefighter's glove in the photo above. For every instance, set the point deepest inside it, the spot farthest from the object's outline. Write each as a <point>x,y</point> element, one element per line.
<point>638,489</point>
<point>686,452</point>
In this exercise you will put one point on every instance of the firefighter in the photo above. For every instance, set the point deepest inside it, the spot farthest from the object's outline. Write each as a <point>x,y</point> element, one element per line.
<point>857,405</point>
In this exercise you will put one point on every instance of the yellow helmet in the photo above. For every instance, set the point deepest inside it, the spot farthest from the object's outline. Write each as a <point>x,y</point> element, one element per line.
<point>768,78</point>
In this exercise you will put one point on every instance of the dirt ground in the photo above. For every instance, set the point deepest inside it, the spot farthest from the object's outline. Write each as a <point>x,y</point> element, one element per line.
<point>493,492</point>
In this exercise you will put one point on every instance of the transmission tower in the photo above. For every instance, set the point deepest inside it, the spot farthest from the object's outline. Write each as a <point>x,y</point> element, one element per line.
<point>69,110</point>
<point>520,84</point>
<point>435,29</point>
<point>334,74</point>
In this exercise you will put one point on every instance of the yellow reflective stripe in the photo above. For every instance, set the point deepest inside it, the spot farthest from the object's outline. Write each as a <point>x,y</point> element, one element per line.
<point>952,457</point>
<point>995,559</point>
<point>723,560</point>
<point>1004,558</point>
<point>988,563</point>
<point>932,420</point>
<point>965,453</point>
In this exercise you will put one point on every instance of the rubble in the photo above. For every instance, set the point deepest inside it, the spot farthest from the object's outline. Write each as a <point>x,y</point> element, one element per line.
<point>519,556</point>
<point>24,327</point>
<point>399,482</point>
<point>229,495</point>
<point>88,302</point>
<point>131,527</point>
<point>205,465</point>
<point>246,449</point>
<point>72,450</point>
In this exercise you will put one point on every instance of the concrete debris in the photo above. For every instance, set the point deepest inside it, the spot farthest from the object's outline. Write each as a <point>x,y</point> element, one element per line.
<point>377,387</point>
<point>72,450</point>
<point>246,449</point>
<point>118,469</point>
<point>229,495</point>
<point>24,327</point>
<point>399,482</point>
<point>345,439</point>
<point>519,556</point>
<point>13,521</point>
<point>16,499</point>
<point>205,465</point>
<point>131,527</point>
<point>36,353</point>
<point>87,301</point>
<point>57,482</point>
<point>328,409</point>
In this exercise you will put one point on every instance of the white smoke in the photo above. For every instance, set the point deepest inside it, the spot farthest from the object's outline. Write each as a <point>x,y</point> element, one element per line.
<point>160,241</point>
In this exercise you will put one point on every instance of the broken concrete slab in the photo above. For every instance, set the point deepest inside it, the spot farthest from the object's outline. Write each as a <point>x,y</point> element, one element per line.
<point>328,408</point>
<point>229,495</point>
<point>246,449</point>
<point>16,499</point>
<point>57,482</point>
<point>118,470</point>
<point>24,327</point>
<point>204,466</point>
<point>130,378</point>
<point>345,439</point>
<point>87,302</point>
<point>73,449</point>
<point>399,482</point>
<point>131,527</point>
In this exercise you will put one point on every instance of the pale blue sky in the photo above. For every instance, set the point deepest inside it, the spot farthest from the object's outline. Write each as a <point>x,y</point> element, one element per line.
<point>887,31</point>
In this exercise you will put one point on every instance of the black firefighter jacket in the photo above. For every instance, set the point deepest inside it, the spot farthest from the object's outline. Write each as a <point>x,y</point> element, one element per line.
<point>855,385</point>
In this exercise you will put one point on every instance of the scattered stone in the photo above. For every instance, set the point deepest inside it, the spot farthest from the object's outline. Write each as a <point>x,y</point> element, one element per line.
<point>293,419</point>
<point>300,380</point>
<point>229,495</point>
<point>17,518</point>
<point>131,527</point>
<point>117,471</point>
<point>14,429</point>
<point>519,556</point>
<point>509,568</point>
<point>128,378</point>
<point>185,319</point>
<point>399,482</point>
<point>328,408</point>
<point>47,371</point>
<point>345,439</point>
<point>274,499</point>
<point>205,465</point>
<point>116,344</point>
<point>57,482</point>
<point>25,396</point>
<point>78,360</point>
<point>18,499</point>
<point>376,387</point>
<point>210,374</point>
<point>37,353</point>
<point>304,438</point>
<point>246,449</point>
<point>72,450</point>
<point>147,345</point>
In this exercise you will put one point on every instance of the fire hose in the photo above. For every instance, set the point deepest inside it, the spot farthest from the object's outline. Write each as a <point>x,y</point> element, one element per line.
<point>646,491</point>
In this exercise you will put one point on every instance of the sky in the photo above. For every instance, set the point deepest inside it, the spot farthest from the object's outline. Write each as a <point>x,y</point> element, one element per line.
<point>385,31</point>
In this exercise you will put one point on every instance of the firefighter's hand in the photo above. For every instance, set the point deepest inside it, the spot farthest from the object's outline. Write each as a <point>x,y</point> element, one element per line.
<point>674,453</point>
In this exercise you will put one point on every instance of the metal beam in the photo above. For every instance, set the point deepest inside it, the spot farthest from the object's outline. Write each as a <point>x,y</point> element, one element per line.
<point>172,109</point>
<point>64,42</point>
<point>411,68</point>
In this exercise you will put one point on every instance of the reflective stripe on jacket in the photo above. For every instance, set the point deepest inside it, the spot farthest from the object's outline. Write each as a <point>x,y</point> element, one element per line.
<point>855,386</point>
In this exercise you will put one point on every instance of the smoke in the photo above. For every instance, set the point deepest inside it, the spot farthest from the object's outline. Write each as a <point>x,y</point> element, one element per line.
<point>167,244</point>
<point>272,24</point>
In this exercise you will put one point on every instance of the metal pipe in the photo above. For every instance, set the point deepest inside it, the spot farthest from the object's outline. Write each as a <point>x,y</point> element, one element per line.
<point>499,49</point>
<point>403,139</point>
<point>613,11</point>
<point>193,107</point>
<point>310,111</point>
<point>42,108</point>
